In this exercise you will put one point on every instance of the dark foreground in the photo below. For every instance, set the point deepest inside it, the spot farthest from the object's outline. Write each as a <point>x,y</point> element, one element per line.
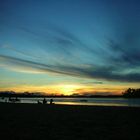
<point>59,122</point>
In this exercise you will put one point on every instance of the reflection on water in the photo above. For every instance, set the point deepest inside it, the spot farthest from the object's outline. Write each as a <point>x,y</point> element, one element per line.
<point>85,101</point>
<point>92,104</point>
<point>100,101</point>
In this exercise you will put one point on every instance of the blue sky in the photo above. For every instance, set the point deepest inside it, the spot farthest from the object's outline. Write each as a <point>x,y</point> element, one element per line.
<point>45,42</point>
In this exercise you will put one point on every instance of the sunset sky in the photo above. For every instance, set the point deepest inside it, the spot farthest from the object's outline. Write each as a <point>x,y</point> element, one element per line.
<point>69,46</point>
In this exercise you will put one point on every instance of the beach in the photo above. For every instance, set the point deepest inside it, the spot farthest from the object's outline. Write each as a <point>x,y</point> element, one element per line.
<point>68,122</point>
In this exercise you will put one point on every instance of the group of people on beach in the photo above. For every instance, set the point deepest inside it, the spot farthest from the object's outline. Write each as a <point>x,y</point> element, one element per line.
<point>44,101</point>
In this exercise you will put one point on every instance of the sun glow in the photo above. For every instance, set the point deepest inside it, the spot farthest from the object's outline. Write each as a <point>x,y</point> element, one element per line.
<point>68,89</point>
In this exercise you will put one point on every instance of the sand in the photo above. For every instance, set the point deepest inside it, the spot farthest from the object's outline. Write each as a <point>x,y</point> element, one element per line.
<point>63,122</point>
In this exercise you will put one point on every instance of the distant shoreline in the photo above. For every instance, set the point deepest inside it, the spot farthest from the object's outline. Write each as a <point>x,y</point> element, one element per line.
<point>58,96</point>
<point>55,96</point>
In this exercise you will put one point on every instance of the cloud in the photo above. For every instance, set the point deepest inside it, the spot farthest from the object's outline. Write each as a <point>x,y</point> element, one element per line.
<point>127,55</point>
<point>91,83</point>
<point>94,72</point>
<point>119,60</point>
<point>24,65</point>
<point>56,39</point>
<point>91,93</point>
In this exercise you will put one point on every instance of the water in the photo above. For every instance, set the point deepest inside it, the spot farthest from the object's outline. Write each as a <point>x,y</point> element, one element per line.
<point>86,101</point>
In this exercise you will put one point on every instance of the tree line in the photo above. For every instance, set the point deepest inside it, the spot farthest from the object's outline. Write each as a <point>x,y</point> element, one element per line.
<point>131,93</point>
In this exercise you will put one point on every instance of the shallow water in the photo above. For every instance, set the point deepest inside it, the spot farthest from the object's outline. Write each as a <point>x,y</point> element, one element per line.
<point>85,101</point>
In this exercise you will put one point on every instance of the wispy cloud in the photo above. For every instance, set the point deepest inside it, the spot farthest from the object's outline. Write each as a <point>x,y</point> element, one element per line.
<point>106,73</point>
<point>116,60</point>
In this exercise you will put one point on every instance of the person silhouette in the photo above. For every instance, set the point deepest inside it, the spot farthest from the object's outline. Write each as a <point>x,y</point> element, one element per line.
<point>44,101</point>
<point>39,102</point>
<point>51,101</point>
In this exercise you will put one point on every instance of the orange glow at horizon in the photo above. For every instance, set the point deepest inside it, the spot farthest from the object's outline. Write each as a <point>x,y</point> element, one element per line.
<point>68,89</point>
<point>53,89</point>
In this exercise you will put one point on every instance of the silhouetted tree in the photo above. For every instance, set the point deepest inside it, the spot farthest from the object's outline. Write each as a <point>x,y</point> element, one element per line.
<point>131,93</point>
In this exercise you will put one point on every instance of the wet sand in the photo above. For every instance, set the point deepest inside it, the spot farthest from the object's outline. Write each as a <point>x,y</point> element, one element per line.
<point>65,122</point>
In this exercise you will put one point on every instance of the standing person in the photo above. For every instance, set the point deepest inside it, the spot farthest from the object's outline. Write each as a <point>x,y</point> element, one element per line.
<point>51,101</point>
<point>44,101</point>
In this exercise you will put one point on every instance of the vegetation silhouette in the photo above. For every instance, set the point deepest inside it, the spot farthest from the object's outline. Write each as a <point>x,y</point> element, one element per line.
<point>131,93</point>
<point>20,94</point>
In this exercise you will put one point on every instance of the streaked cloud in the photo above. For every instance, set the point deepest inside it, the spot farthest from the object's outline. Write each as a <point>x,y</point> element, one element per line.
<point>88,39</point>
<point>106,73</point>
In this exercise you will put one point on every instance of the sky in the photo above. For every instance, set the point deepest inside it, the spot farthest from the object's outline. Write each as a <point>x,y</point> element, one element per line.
<point>69,47</point>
